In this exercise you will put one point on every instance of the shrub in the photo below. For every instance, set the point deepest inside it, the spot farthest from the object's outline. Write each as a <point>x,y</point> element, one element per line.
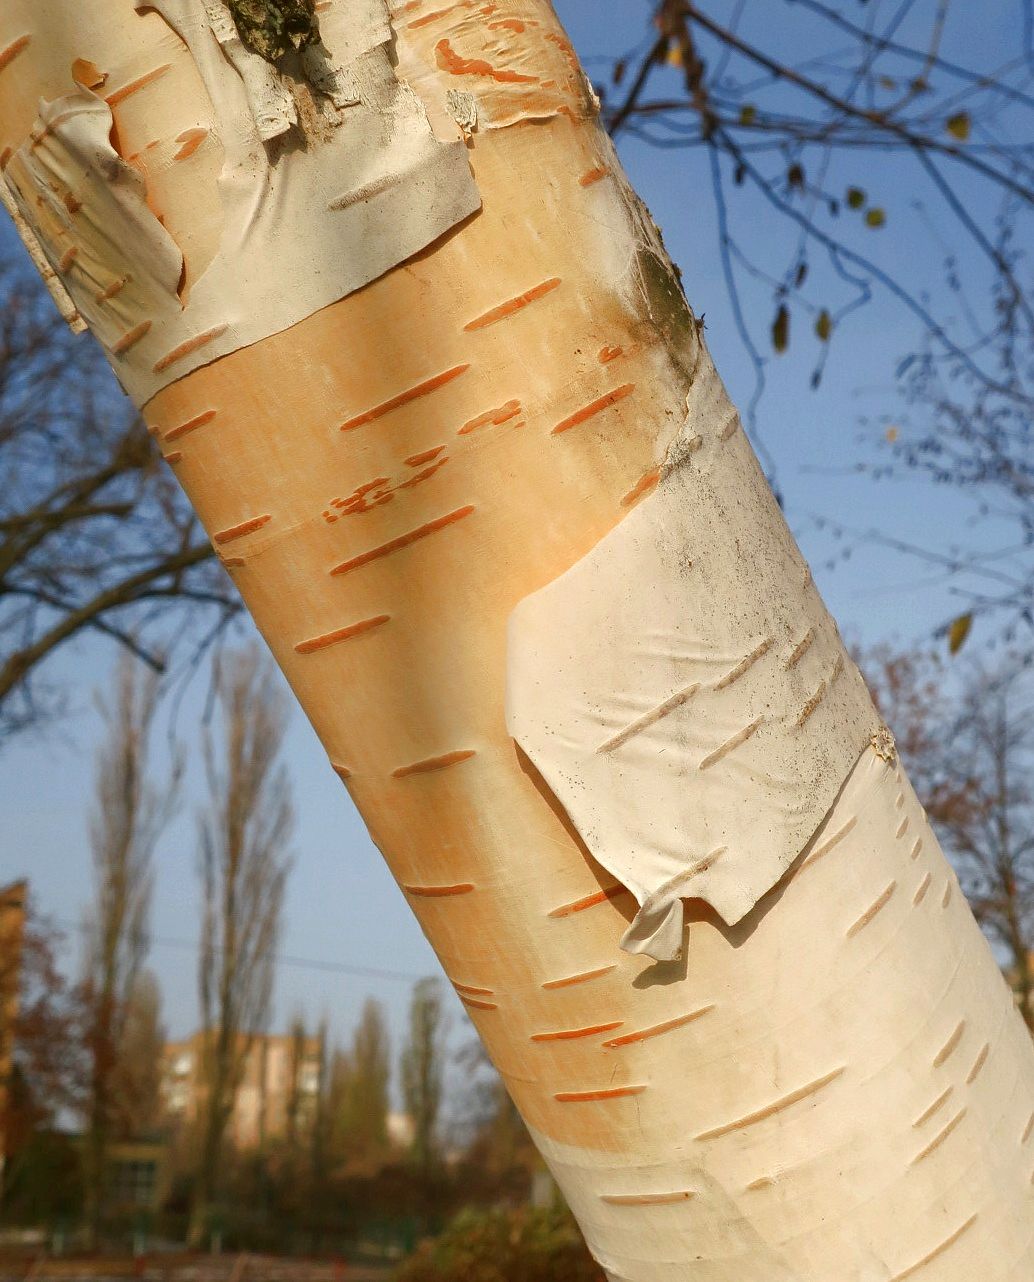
<point>527,1245</point>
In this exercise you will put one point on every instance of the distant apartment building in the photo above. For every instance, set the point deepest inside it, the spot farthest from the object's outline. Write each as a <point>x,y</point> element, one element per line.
<point>278,1092</point>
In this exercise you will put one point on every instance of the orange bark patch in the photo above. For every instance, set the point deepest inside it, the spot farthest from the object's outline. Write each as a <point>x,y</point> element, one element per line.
<point>341,634</point>
<point>570,1034</point>
<point>71,202</point>
<point>508,24</point>
<point>456,65</point>
<point>111,290</point>
<point>593,176</point>
<point>174,457</point>
<point>199,420</point>
<point>425,456</point>
<point>120,95</point>
<point>567,49</point>
<point>8,55</point>
<point>590,901</point>
<point>377,492</point>
<point>581,1097</point>
<point>513,305</point>
<point>67,258</point>
<point>189,142</point>
<point>342,772</point>
<point>185,349</point>
<point>439,892</point>
<point>608,354</point>
<point>582,978</point>
<point>5,156</point>
<point>594,407</point>
<point>644,485</point>
<point>472,991</point>
<point>477,1003</point>
<point>403,540</point>
<point>130,337</point>
<point>432,17</point>
<point>87,73</point>
<point>239,531</point>
<point>410,394</point>
<point>657,1029</point>
<point>429,764</point>
<point>422,475</point>
<point>501,415</point>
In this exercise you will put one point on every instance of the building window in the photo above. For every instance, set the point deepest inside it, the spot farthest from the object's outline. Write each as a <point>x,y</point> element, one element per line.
<point>135,1183</point>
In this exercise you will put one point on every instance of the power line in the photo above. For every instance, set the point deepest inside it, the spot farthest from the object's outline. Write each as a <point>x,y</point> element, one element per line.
<point>279,959</point>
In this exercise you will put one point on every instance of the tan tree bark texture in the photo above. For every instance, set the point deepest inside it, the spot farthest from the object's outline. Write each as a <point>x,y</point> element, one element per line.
<point>421,364</point>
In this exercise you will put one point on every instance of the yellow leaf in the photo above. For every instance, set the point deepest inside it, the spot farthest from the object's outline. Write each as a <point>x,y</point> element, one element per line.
<point>675,56</point>
<point>824,325</point>
<point>875,217</point>
<point>958,632</point>
<point>891,434</point>
<point>958,125</point>
<point>748,114</point>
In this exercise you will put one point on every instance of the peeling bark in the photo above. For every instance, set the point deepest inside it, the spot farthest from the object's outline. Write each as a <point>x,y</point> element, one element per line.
<point>837,1086</point>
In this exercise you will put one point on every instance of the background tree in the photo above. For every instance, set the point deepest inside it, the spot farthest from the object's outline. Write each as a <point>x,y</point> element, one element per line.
<point>985,812</point>
<point>138,1069</point>
<point>362,1077</point>
<point>243,866</point>
<point>498,1143</point>
<point>44,1072</point>
<point>94,532</point>
<point>970,754</point>
<point>421,1070</point>
<point>825,115</point>
<point>128,818</point>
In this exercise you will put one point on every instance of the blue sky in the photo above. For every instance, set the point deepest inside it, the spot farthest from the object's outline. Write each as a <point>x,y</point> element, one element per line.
<point>342,906</point>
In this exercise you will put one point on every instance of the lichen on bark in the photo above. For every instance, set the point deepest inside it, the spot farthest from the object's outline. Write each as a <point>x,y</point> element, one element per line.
<point>274,28</point>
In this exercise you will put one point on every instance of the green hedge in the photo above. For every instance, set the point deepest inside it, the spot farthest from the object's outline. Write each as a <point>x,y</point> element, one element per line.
<point>527,1245</point>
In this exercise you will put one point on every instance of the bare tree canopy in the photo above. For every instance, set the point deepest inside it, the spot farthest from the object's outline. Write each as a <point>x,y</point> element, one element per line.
<point>826,112</point>
<point>970,755</point>
<point>129,815</point>
<point>94,531</point>
<point>243,863</point>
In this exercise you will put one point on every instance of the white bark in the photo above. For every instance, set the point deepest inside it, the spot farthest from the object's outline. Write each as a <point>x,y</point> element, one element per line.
<point>835,1087</point>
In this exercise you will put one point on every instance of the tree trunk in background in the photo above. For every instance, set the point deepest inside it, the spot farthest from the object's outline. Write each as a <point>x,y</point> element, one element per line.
<point>128,817</point>
<point>243,867</point>
<point>836,1087</point>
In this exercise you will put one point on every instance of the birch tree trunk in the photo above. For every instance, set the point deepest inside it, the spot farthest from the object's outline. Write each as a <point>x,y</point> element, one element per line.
<point>455,435</point>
